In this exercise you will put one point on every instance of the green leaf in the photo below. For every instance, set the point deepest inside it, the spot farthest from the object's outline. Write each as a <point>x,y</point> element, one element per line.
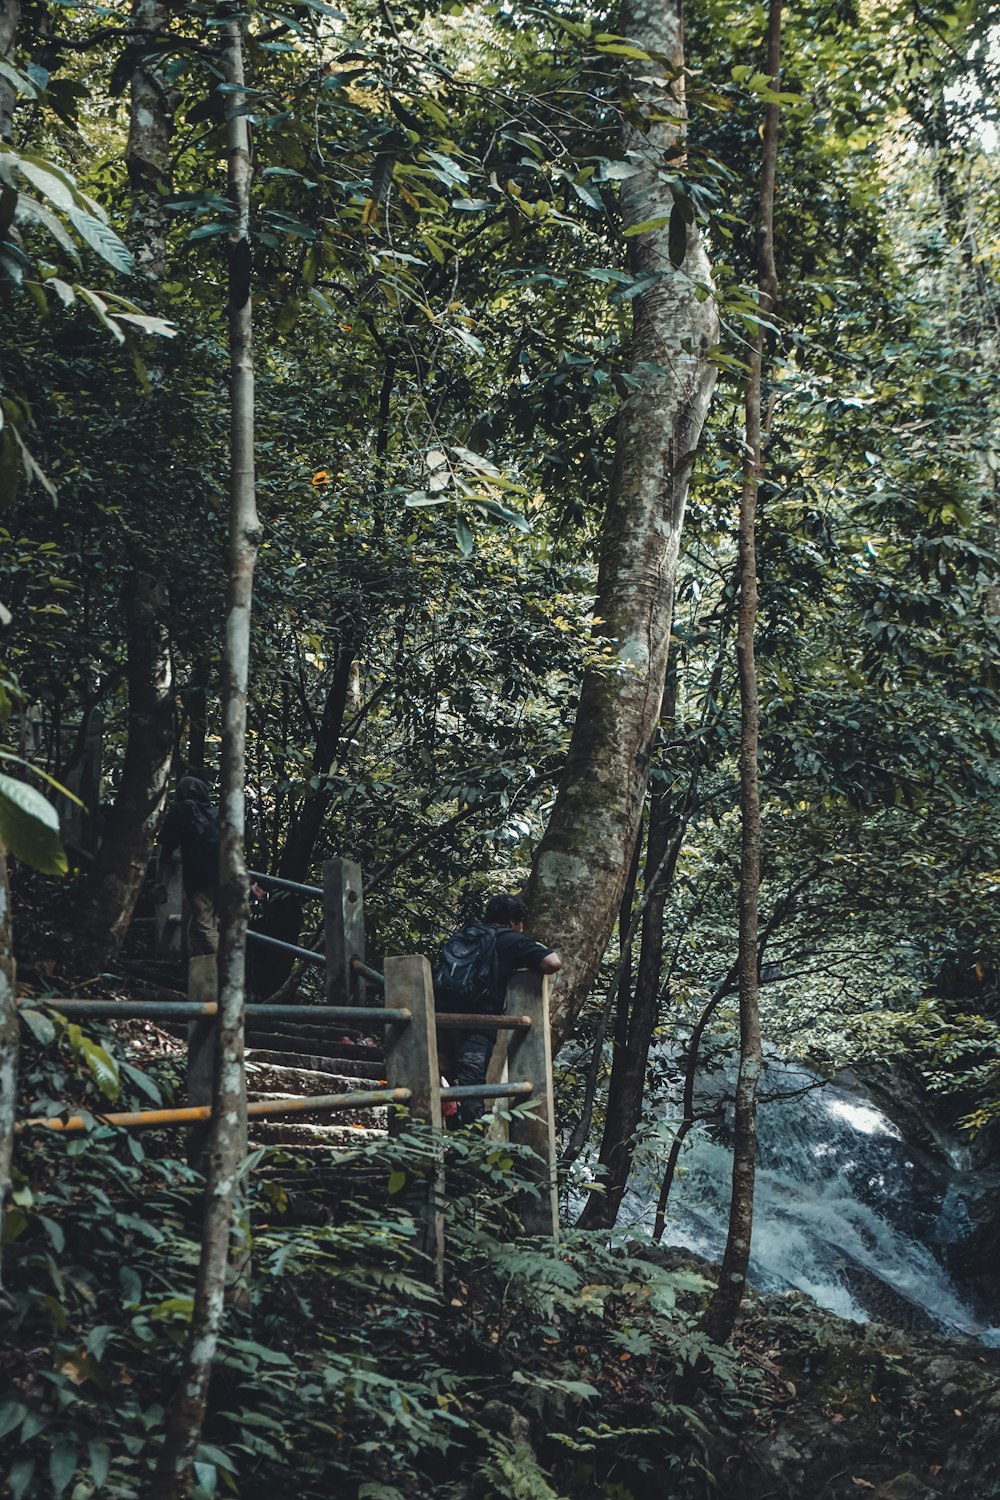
<point>619,49</point>
<point>103,1067</point>
<point>22,84</point>
<point>102,238</point>
<point>504,513</point>
<point>48,183</point>
<point>100,1462</point>
<point>29,827</point>
<point>54,1232</point>
<point>41,1027</point>
<point>62,1466</point>
<point>207,1476</point>
<point>397,1181</point>
<point>43,775</point>
<point>63,290</point>
<point>646,227</point>
<point>677,235</point>
<point>148,325</point>
<point>30,208</point>
<point>21,1473</point>
<point>100,307</point>
<point>12,1414</point>
<point>131,1286</point>
<point>463,535</point>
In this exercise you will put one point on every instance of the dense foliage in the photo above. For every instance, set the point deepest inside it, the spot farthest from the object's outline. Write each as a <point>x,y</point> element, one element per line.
<point>443,306</point>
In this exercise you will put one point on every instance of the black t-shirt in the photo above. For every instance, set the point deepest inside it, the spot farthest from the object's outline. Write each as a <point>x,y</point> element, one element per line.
<point>195,827</point>
<point>515,950</point>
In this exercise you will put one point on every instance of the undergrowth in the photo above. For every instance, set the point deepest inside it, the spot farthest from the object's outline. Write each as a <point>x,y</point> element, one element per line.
<point>542,1372</point>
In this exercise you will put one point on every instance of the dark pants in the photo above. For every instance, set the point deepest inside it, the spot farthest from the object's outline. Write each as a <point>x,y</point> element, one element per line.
<point>464,1058</point>
<point>203,925</point>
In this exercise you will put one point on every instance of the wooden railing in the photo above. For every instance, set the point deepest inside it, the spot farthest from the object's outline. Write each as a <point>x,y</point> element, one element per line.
<point>521,1068</point>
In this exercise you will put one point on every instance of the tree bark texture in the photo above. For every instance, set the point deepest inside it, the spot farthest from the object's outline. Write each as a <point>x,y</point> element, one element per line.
<point>580,867</point>
<point>227,1146</point>
<point>720,1316</point>
<point>10,17</point>
<point>151,128</point>
<point>115,878</point>
<point>119,867</point>
<point>9,1043</point>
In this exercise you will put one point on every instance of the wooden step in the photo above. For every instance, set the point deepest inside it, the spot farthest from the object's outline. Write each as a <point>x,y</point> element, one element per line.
<point>316,1138</point>
<point>262,1074</point>
<point>365,1068</point>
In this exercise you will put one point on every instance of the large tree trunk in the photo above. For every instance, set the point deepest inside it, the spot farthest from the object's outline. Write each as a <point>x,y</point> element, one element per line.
<point>580,867</point>
<point>10,16</point>
<point>722,1311</point>
<point>151,129</point>
<point>119,867</point>
<point>228,1132</point>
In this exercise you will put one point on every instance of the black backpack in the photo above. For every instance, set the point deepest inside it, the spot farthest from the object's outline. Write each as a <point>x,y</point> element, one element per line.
<point>466,978</point>
<point>200,844</point>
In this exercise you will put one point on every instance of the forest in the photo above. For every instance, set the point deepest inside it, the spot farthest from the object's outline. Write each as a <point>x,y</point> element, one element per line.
<point>525,448</point>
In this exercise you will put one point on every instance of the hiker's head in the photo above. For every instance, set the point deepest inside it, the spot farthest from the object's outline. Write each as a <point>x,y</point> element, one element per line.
<point>505,911</point>
<point>190,789</point>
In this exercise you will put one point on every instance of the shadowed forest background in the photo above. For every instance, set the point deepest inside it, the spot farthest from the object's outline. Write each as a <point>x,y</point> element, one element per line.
<point>506,277</point>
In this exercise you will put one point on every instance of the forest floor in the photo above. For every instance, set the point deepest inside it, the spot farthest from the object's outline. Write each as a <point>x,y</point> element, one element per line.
<point>538,1375</point>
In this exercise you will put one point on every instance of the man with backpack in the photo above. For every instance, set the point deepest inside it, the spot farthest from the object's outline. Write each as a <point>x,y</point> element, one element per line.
<point>476,963</point>
<point>192,824</point>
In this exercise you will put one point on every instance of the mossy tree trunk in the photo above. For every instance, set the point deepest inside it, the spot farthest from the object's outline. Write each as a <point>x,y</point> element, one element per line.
<point>130,828</point>
<point>10,18</point>
<point>227,1145</point>
<point>580,867</point>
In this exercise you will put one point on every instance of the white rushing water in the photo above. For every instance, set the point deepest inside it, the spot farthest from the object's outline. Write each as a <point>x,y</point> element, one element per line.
<point>842,1211</point>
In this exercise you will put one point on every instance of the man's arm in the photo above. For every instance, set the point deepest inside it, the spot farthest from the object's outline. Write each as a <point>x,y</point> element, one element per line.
<point>551,963</point>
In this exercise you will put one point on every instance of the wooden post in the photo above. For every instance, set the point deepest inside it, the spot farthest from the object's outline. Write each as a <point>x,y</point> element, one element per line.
<point>168,913</point>
<point>344,926</point>
<point>498,1072</point>
<point>203,985</point>
<point>411,1062</point>
<point>91,772</point>
<point>530,1057</point>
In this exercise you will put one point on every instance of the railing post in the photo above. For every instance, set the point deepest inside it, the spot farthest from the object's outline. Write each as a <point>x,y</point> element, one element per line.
<point>411,1062</point>
<point>530,1057</point>
<point>344,928</point>
<point>202,987</point>
<point>498,1072</point>
<point>168,913</point>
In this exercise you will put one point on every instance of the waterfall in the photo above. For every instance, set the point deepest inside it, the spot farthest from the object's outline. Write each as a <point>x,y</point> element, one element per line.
<point>843,1211</point>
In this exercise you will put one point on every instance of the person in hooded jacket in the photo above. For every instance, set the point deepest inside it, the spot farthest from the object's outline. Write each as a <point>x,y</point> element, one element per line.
<point>192,825</point>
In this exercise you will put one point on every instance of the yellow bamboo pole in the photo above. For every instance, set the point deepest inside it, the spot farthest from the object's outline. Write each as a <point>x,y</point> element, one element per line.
<point>193,1114</point>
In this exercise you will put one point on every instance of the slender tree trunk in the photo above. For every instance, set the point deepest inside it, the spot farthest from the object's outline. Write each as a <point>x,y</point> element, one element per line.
<point>689,1118</point>
<point>227,1146</point>
<point>580,867</point>
<point>10,17</point>
<point>9,1044</point>
<point>119,867</point>
<point>631,1056</point>
<point>724,1307</point>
